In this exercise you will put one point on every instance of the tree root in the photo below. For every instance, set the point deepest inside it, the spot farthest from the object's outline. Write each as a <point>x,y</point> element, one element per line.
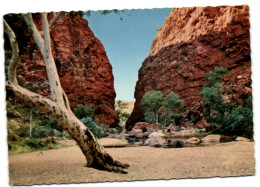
<point>109,164</point>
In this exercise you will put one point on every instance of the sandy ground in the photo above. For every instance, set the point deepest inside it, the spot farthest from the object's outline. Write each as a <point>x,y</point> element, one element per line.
<point>66,165</point>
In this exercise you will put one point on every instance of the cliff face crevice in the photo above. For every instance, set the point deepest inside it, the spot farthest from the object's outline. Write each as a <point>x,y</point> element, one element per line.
<point>83,66</point>
<point>191,42</point>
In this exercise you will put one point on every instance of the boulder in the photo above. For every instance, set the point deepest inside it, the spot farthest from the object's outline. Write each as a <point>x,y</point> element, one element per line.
<point>203,124</point>
<point>156,139</point>
<point>242,139</point>
<point>136,132</point>
<point>145,127</point>
<point>210,140</point>
<point>171,128</point>
<point>193,141</point>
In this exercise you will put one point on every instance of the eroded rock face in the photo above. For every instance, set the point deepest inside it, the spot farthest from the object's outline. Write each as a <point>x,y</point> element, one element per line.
<point>83,66</point>
<point>191,42</point>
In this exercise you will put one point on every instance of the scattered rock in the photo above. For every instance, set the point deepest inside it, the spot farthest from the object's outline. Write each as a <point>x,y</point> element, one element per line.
<point>145,127</point>
<point>210,140</point>
<point>239,77</point>
<point>171,128</point>
<point>193,141</point>
<point>156,139</point>
<point>203,124</point>
<point>248,90</point>
<point>242,139</point>
<point>176,143</point>
<point>138,143</point>
<point>136,132</point>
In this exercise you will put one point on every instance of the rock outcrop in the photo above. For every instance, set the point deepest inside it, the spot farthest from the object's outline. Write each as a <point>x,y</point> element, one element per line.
<point>191,42</point>
<point>83,66</point>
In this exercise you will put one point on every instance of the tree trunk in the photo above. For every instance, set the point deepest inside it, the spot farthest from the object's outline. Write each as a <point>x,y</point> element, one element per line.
<point>30,123</point>
<point>57,107</point>
<point>95,154</point>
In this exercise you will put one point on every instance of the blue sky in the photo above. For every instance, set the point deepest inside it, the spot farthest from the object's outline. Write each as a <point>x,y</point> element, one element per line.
<point>127,43</point>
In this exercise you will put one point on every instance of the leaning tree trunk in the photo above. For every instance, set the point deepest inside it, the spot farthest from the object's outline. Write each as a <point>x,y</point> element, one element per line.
<point>57,107</point>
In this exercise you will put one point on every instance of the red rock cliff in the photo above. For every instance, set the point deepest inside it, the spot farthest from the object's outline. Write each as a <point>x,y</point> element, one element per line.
<point>191,42</point>
<point>83,67</point>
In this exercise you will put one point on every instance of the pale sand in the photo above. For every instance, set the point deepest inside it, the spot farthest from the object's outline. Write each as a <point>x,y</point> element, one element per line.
<point>66,165</point>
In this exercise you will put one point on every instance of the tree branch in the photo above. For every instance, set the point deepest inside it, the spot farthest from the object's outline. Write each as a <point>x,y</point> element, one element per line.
<point>15,54</point>
<point>60,16</point>
<point>36,34</point>
<point>51,69</point>
<point>32,85</point>
<point>55,15</point>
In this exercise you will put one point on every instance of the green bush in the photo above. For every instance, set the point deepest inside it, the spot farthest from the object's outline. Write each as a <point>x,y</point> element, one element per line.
<point>54,125</point>
<point>23,131</point>
<point>63,134</point>
<point>33,143</point>
<point>238,122</point>
<point>42,132</point>
<point>119,130</point>
<point>10,147</point>
<point>51,141</point>
<point>92,126</point>
<point>226,118</point>
<point>82,111</point>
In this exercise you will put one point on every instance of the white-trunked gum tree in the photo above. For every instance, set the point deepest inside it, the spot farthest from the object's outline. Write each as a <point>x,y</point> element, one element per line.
<point>57,106</point>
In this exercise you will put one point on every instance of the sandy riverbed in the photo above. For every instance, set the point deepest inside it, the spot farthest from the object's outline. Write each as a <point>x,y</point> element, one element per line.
<point>66,165</point>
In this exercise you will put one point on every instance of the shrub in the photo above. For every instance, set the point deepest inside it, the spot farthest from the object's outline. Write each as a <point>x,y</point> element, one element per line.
<point>23,131</point>
<point>42,132</point>
<point>238,122</point>
<point>33,143</point>
<point>10,147</point>
<point>82,111</point>
<point>51,141</point>
<point>92,126</point>
<point>54,125</point>
<point>119,130</point>
<point>226,118</point>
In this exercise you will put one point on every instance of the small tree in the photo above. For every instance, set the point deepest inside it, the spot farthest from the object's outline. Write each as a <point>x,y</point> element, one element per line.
<point>171,105</point>
<point>152,101</point>
<point>226,118</point>
<point>212,94</point>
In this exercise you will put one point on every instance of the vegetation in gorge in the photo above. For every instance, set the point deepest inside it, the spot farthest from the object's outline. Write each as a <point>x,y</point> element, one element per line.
<point>152,101</point>
<point>225,117</point>
<point>30,130</point>
<point>86,115</point>
<point>162,110</point>
<point>123,116</point>
<point>171,106</point>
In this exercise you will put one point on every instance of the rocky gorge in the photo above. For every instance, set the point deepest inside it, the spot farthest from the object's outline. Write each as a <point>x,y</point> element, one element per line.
<point>191,42</point>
